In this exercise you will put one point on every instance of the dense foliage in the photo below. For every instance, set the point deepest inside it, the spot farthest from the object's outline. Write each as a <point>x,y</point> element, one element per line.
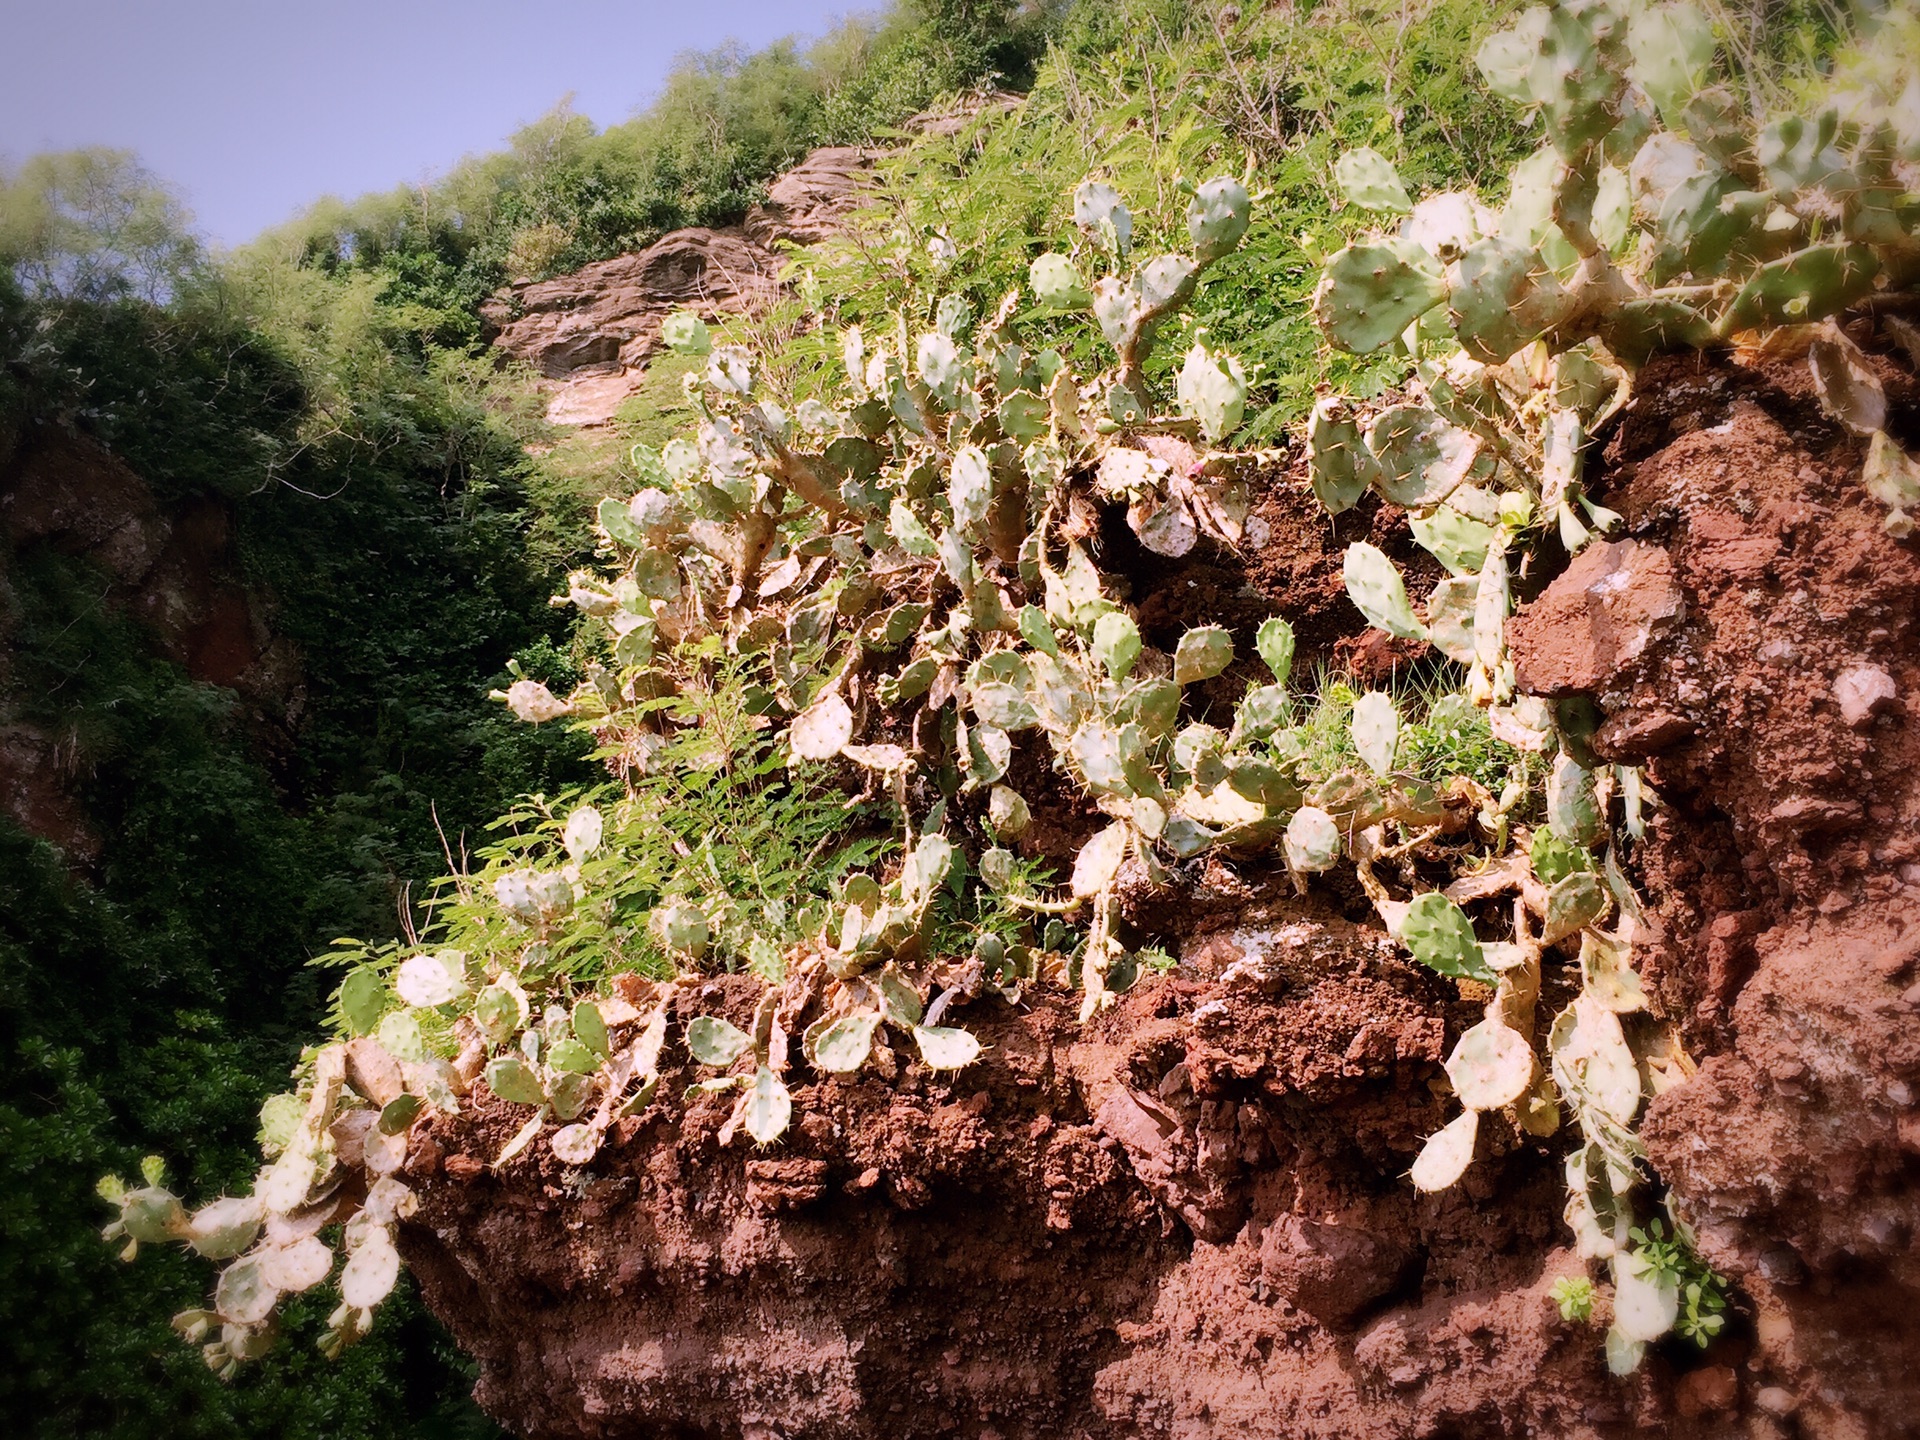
<point>860,569</point>
<point>149,999</point>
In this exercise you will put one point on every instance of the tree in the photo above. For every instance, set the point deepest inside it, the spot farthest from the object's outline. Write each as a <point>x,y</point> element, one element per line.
<point>95,224</point>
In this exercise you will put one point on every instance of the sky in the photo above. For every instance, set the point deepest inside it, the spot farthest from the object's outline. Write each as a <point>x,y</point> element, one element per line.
<point>253,109</point>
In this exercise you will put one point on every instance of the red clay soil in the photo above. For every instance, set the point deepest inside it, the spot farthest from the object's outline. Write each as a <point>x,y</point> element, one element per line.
<point>1190,1218</point>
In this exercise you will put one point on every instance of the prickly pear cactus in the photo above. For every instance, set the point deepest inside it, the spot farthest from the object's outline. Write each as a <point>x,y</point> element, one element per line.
<point>1658,213</point>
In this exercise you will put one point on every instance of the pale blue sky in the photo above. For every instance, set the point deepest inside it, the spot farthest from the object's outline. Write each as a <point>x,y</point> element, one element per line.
<point>253,108</point>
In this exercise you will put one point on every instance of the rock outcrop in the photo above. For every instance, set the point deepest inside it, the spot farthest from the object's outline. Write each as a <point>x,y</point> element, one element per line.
<point>590,333</point>
<point>172,568</point>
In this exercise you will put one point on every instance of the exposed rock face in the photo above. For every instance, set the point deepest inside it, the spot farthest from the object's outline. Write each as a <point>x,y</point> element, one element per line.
<point>593,331</point>
<point>809,202</point>
<point>608,315</point>
<point>171,568</point>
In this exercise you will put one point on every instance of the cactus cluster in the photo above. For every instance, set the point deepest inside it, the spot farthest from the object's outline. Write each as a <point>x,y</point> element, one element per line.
<point>901,566</point>
<point>1658,213</point>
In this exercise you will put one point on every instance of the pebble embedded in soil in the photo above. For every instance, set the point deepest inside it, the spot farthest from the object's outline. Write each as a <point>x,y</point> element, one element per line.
<point>1863,691</point>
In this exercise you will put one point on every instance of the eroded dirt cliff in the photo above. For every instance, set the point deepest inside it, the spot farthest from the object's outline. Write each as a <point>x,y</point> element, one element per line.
<point>1190,1218</point>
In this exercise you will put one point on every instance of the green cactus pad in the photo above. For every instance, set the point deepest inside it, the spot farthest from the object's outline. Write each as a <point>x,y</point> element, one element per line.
<point>1501,296</point>
<point>714,1041</point>
<point>1373,291</point>
<point>1369,180</point>
<point>1808,285</point>
<point>844,1045</point>
<point>1420,457</point>
<point>1202,653</point>
<point>768,1109</point>
<point>1374,585</point>
<point>1339,464</point>
<point>509,1077</point>
<point>1441,937</point>
<point>1313,840</point>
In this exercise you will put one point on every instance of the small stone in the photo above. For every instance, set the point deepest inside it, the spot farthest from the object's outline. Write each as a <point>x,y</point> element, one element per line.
<point>1637,734</point>
<point>1600,616</point>
<point>1776,1400</point>
<point>1710,1388</point>
<point>1863,691</point>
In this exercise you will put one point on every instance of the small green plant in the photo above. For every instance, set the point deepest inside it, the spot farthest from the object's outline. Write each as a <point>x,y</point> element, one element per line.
<point>1573,1294</point>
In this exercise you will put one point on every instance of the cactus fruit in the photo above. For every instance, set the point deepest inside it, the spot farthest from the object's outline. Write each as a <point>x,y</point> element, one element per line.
<point>1372,291</point>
